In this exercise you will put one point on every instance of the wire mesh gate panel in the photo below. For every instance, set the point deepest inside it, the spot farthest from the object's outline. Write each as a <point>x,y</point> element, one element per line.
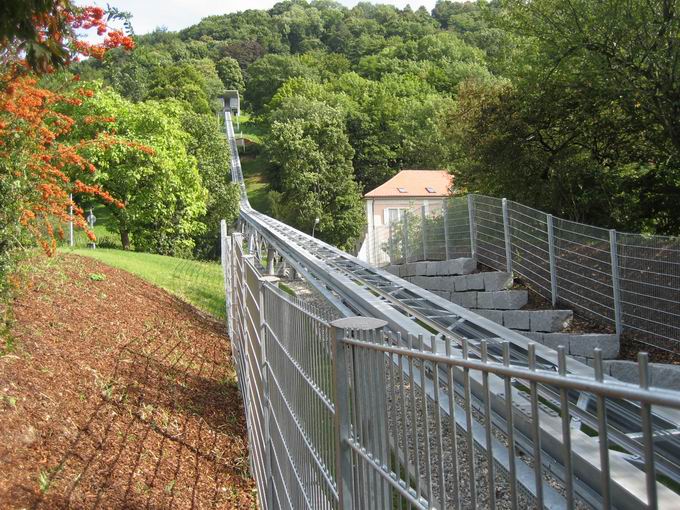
<point>629,281</point>
<point>344,418</point>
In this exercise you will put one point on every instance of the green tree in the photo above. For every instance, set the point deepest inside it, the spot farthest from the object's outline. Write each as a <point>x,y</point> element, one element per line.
<point>267,74</point>
<point>230,73</point>
<point>161,190</point>
<point>309,147</point>
<point>210,149</point>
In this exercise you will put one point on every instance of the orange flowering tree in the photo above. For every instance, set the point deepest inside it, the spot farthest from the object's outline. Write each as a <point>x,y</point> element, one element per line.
<point>41,165</point>
<point>45,33</point>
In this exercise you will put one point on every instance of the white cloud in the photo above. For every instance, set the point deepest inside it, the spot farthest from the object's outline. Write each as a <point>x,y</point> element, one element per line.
<point>178,14</point>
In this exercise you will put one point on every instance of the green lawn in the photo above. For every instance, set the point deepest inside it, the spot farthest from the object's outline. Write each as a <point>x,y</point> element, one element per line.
<point>107,236</point>
<point>254,165</point>
<point>251,129</point>
<point>198,283</point>
<point>255,178</point>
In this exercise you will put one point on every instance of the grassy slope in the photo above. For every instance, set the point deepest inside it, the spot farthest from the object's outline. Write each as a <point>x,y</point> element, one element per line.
<point>253,163</point>
<point>199,283</point>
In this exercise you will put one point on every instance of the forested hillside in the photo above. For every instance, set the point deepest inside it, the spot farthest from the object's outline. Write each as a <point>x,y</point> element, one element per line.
<point>560,107</point>
<point>573,108</point>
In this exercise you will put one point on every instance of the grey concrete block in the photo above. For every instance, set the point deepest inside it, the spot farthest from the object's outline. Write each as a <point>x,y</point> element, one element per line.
<point>503,299</point>
<point>437,283</point>
<point>550,320</point>
<point>421,268</point>
<point>626,371</point>
<point>464,299</point>
<point>554,340</point>
<point>471,281</point>
<point>534,337</point>
<point>460,283</point>
<point>661,375</point>
<point>467,265</point>
<point>497,280</point>
<point>666,376</point>
<point>443,294</point>
<point>517,319</point>
<point>456,267</point>
<point>420,281</point>
<point>584,345</point>
<point>408,269</point>
<point>492,315</point>
<point>432,268</point>
<point>582,359</point>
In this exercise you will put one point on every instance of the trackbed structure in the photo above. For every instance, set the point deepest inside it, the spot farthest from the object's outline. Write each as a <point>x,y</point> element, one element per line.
<point>412,401</point>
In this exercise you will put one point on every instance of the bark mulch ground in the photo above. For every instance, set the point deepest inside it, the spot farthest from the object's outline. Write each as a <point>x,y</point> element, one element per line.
<point>117,395</point>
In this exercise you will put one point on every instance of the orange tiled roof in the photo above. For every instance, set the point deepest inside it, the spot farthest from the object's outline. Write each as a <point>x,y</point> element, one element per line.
<point>415,183</point>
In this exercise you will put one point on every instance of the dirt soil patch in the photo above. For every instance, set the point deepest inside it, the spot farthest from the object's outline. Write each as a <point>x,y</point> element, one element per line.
<point>117,395</point>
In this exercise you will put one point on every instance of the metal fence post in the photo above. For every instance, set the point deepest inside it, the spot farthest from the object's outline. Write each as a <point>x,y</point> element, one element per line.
<point>270,261</point>
<point>266,411</point>
<point>445,218</point>
<point>405,240</point>
<point>341,329</point>
<point>473,227</point>
<point>551,256</point>
<point>390,238</point>
<point>506,234</point>
<point>71,238</point>
<point>613,245</point>
<point>225,257</point>
<point>423,217</point>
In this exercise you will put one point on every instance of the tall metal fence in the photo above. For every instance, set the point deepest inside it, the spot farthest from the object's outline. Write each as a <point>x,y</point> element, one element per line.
<point>345,415</point>
<point>631,281</point>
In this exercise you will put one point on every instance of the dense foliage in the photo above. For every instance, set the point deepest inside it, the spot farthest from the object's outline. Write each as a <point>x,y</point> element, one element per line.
<point>570,107</point>
<point>43,164</point>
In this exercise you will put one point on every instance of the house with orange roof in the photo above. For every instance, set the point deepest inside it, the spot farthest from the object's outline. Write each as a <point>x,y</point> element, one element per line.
<point>407,190</point>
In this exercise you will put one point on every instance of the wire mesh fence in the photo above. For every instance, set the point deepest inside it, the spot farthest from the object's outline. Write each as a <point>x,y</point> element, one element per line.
<point>347,415</point>
<point>630,282</point>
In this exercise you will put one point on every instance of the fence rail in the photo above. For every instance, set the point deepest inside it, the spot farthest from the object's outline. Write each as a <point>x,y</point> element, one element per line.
<point>629,281</point>
<point>345,415</point>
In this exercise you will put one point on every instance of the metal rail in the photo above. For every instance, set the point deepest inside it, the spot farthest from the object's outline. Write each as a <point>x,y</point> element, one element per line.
<point>356,288</point>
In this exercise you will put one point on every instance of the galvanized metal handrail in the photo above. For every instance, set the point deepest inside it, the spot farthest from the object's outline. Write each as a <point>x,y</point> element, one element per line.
<point>368,443</point>
<point>482,395</point>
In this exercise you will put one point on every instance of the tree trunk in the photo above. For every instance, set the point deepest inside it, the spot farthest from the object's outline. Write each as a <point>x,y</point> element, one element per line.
<point>125,239</point>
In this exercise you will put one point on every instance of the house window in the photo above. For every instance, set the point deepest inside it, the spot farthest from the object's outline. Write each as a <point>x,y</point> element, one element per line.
<point>393,214</point>
<point>401,190</point>
<point>430,190</point>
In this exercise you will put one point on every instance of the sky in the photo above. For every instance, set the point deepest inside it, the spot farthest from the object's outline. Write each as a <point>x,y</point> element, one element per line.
<point>178,14</point>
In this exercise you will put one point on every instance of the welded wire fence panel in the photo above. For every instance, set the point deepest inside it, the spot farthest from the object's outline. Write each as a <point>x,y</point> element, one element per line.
<point>562,260</point>
<point>417,441</point>
<point>529,246</point>
<point>457,228</point>
<point>584,269</point>
<point>649,272</point>
<point>435,239</point>
<point>380,249</point>
<point>489,232</point>
<point>412,228</point>
<point>283,359</point>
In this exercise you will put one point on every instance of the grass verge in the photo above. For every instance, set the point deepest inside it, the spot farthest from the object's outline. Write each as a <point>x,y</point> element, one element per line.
<point>198,283</point>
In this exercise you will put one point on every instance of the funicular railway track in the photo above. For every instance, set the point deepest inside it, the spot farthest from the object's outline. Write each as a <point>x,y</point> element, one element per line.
<point>356,288</point>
